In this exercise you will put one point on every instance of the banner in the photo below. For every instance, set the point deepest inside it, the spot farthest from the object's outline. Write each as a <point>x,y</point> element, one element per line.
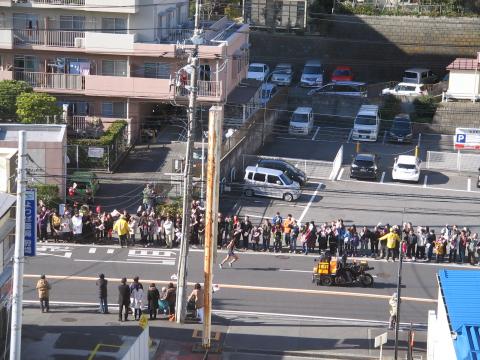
<point>30,242</point>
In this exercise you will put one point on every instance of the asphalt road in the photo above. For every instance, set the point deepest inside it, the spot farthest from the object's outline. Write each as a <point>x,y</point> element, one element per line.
<point>257,283</point>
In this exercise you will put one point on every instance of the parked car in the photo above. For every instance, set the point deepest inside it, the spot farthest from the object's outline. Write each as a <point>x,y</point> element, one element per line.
<point>401,130</point>
<point>288,169</point>
<point>271,183</point>
<point>82,187</point>
<point>268,90</point>
<point>406,89</point>
<point>301,122</point>
<point>258,71</point>
<point>406,168</point>
<point>366,125</point>
<point>312,74</point>
<point>345,88</point>
<point>419,76</point>
<point>282,74</point>
<point>342,73</point>
<point>364,166</point>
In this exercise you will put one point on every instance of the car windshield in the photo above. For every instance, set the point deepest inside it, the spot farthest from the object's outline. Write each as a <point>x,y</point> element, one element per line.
<point>282,70</point>
<point>406,166</point>
<point>409,75</point>
<point>363,163</point>
<point>302,118</point>
<point>258,69</point>
<point>312,70</point>
<point>286,180</point>
<point>341,72</point>
<point>401,125</point>
<point>266,94</point>
<point>366,120</point>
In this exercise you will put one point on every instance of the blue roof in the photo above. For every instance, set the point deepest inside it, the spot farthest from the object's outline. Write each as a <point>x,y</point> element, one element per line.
<point>461,292</point>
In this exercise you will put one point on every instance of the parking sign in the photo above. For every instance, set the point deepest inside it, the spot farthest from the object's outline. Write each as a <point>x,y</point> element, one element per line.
<point>467,139</point>
<point>30,242</point>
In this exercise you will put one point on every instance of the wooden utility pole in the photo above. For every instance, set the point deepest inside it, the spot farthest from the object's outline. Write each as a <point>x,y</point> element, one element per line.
<point>215,122</point>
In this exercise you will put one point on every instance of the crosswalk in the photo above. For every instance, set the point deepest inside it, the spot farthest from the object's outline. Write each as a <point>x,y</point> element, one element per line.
<point>154,257</point>
<point>58,251</point>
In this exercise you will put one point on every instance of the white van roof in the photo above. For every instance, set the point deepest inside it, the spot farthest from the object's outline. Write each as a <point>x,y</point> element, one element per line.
<point>368,110</point>
<point>314,62</point>
<point>417,70</point>
<point>267,171</point>
<point>303,110</point>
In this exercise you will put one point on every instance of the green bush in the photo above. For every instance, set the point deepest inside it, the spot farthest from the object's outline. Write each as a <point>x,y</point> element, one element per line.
<point>390,107</point>
<point>48,194</point>
<point>171,207</point>
<point>445,8</point>
<point>9,91</point>
<point>34,108</point>
<point>425,108</point>
<point>108,138</point>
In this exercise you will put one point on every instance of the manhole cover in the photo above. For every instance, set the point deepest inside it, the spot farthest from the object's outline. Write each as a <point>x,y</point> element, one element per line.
<point>69,319</point>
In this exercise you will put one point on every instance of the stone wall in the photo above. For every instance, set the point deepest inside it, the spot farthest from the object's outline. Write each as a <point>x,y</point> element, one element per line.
<point>378,48</point>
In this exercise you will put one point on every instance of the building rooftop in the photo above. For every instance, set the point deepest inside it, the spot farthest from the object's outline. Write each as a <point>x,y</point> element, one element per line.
<point>464,64</point>
<point>6,202</point>
<point>244,92</point>
<point>461,293</point>
<point>35,132</point>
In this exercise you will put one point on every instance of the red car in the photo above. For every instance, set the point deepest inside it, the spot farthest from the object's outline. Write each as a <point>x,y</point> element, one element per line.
<point>342,73</point>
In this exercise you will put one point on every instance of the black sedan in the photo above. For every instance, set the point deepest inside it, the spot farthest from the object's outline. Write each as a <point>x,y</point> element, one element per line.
<point>364,166</point>
<point>401,130</point>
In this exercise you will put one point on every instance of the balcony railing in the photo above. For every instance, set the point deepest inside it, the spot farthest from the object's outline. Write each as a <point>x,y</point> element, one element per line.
<point>55,2</point>
<point>48,38</point>
<point>51,81</point>
<point>209,88</point>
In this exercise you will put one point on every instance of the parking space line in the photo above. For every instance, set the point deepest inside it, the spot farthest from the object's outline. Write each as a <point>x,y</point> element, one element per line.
<point>316,132</point>
<point>339,177</point>
<point>469,184</point>
<point>419,139</point>
<point>425,181</point>
<point>350,135</point>
<point>382,178</point>
<point>314,195</point>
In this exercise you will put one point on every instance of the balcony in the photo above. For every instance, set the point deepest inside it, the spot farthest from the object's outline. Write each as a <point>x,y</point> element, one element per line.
<point>48,38</point>
<point>57,3</point>
<point>108,42</point>
<point>49,81</point>
<point>116,6</point>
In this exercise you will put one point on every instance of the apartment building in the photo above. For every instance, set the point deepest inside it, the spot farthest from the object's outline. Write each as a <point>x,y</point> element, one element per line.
<point>116,59</point>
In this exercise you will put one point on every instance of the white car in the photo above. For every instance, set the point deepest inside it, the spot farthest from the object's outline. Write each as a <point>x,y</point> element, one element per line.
<point>268,91</point>
<point>406,168</point>
<point>282,74</point>
<point>406,89</point>
<point>258,71</point>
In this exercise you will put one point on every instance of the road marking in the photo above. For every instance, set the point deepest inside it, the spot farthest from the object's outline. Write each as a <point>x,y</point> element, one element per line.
<point>350,135</point>
<point>110,251</point>
<point>47,254</point>
<point>310,202</point>
<point>114,307</point>
<point>150,253</point>
<point>384,137</point>
<point>248,287</point>
<point>340,174</point>
<point>299,271</point>
<point>425,181</point>
<point>316,132</point>
<point>382,178</point>
<point>419,139</point>
<point>92,250</point>
<point>469,184</point>
<point>162,262</point>
<point>68,255</point>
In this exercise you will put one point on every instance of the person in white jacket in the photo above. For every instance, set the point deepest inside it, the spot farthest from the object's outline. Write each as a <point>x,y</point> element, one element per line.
<point>77,226</point>
<point>137,301</point>
<point>168,228</point>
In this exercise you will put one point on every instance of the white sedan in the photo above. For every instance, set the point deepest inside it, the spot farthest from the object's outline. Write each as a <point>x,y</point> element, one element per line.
<point>406,89</point>
<point>258,71</point>
<point>406,168</point>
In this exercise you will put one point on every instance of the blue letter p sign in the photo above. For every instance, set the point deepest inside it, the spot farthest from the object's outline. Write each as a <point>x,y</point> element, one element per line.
<point>461,138</point>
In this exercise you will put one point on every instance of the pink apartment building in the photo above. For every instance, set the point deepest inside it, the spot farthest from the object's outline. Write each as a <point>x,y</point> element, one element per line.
<point>116,59</point>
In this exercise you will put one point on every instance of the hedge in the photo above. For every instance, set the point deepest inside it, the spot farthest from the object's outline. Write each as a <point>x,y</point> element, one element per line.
<point>108,138</point>
<point>48,193</point>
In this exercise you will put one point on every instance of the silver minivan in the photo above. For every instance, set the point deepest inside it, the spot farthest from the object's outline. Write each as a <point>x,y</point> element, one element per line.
<point>419,76</point>
<point>271,183</point>
<point>312,74</point>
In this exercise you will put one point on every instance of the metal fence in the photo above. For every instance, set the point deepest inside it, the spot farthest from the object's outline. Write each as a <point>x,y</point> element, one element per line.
<point>453,161</point>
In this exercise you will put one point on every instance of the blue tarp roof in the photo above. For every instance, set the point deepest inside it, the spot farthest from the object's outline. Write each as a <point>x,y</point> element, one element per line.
<point>461,292</point>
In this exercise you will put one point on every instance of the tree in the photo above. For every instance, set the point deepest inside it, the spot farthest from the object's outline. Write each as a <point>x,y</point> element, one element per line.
<point>9,91</point>
<point>33,108</point>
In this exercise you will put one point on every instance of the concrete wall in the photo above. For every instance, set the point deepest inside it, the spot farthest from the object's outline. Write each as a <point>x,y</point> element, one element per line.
<point>464,83</point>
<point>378,48</point>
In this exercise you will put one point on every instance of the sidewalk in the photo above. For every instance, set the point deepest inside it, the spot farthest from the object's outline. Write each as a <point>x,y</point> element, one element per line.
<point>76,332</point>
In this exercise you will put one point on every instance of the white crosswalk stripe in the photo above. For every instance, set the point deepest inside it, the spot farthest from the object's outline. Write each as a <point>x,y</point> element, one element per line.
<point>110,251</point>
<point>92,250</point>
<point>159,257</point>
<point>52,250</point>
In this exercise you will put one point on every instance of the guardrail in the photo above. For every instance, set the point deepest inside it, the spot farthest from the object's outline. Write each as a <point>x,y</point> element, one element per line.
<point>56,2</point>
<point>209,88</point>
<point>51,81</point>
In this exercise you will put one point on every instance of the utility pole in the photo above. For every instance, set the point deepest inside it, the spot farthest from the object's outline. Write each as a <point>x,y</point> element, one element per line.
<point>180,306</point>
<point>18,258</point>
<point>215,122</point>
<point>399,287</point>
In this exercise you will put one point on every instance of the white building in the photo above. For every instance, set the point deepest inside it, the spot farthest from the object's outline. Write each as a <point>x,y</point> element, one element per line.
<point>464,79</point>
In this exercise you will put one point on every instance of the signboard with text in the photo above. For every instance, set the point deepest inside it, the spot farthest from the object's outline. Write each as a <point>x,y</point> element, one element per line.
<point>96,152</point>
<point>30,243</point>
<point>467,139</point>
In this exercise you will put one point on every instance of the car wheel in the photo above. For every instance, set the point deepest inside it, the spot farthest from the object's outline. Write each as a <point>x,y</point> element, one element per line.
<point>249,193</point>
<point>288,197</point>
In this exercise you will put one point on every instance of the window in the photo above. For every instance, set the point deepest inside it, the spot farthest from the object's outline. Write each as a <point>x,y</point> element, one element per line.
<point>114,67</point>
<point>157,70</point>
<point>73,23</point>
<point>259,177</point>
<point>114,109</point>
<point>250,176</point>
<point>25,63</point>
<point>114,25</point>
<point>204,73</point>
<point>25,21</point>
<point>272,179</point>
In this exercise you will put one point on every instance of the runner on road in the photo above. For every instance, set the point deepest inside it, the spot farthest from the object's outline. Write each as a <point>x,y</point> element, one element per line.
<point>231,254</point>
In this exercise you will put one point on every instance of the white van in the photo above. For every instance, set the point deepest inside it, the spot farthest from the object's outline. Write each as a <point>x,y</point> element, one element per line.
<point>270,183</point>
<point>367,124</point>
<point>301,122</point>
<point>312,74</point>
<point>419,76</point>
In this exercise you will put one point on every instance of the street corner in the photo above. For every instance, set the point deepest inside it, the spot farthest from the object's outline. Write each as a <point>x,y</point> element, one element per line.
<point>181,350</point>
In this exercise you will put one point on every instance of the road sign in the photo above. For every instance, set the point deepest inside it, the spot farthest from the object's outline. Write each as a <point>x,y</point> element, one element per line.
<point>30,222</point>
<point>467,139</point>
<point>381,339</point>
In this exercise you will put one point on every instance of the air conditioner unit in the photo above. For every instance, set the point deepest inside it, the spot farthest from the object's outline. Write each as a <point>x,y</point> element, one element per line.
<point>79,42</point>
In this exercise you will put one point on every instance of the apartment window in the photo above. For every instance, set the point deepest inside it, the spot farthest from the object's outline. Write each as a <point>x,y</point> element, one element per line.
<point>204,73</point>
<point>114,67</point>
<point>300,14</point>
<point>114,109</point>
<point>25,21</point>
<point>73,23</point>
<point>114,25</point>
<point>25,63</point>
<point>157,70</point>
